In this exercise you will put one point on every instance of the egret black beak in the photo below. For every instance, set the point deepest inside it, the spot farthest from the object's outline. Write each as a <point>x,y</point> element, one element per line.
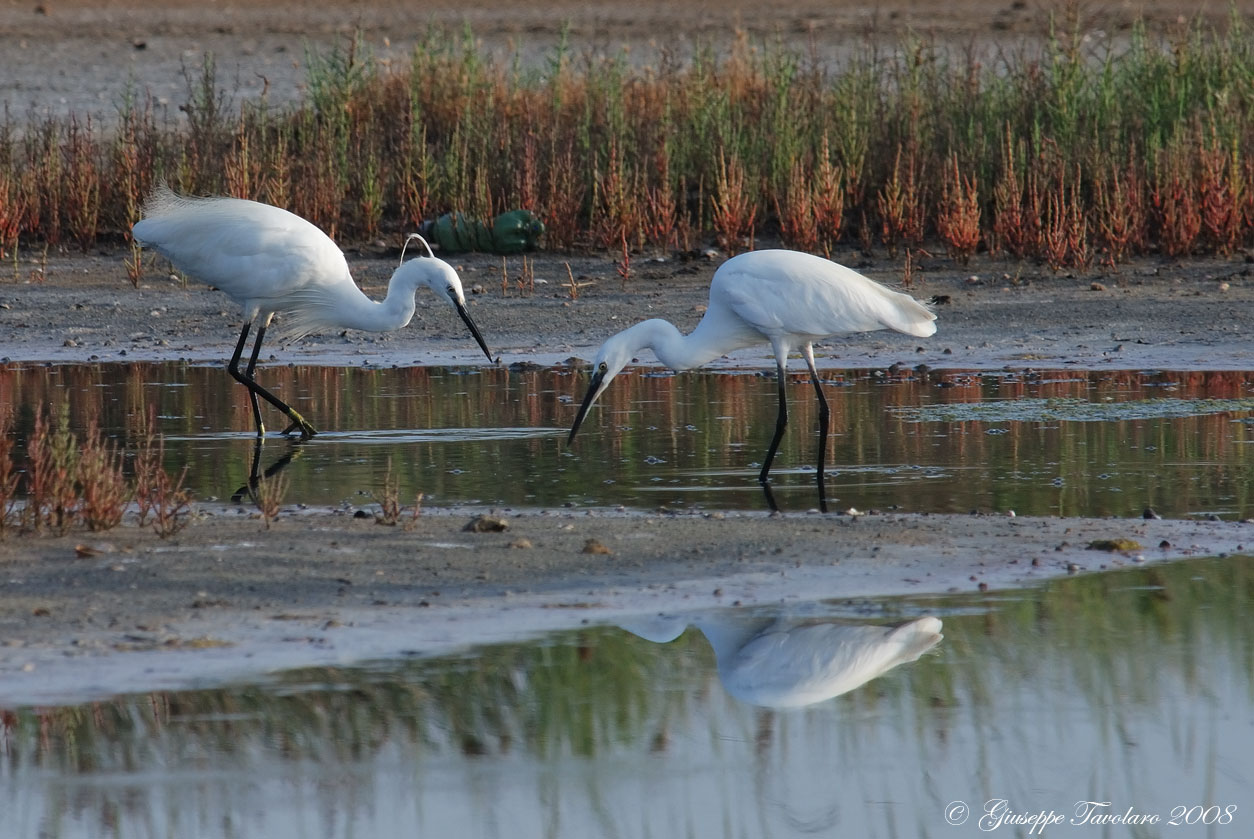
<point>470,324</point>
<point>594,390</point>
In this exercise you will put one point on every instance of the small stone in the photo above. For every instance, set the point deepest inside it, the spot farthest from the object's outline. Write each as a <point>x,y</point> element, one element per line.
<point>1114,545</point>
<point>486,524</point>
<point>522,543</point>
<point>592,546</point>
<point>1096,287</point>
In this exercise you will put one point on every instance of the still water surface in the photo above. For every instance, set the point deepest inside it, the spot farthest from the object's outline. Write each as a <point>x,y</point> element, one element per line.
<point>1067,443</point>
<point>1133,687</point>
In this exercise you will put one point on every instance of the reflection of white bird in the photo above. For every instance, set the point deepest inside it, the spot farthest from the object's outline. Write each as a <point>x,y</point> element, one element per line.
<point>786,664</point>
<point>271,261</point>
<point>787,298</point>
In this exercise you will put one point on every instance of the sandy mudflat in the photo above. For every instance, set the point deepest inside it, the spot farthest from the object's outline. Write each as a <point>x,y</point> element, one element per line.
<point>229,598</point>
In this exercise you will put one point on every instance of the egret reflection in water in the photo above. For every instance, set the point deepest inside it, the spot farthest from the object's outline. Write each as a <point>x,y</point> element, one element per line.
<point>785,662</point>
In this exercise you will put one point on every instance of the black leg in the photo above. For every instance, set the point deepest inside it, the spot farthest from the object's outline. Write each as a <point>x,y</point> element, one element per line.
<point>255,390</point>
<point>255,476</point>
<point>823,426</point>
<point>248,372</point>
<point>770,497</point>
<point>781,422</point>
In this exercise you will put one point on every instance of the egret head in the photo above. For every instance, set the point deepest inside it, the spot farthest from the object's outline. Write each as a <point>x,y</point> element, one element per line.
<point>611,359</point>
<point>441,278</point>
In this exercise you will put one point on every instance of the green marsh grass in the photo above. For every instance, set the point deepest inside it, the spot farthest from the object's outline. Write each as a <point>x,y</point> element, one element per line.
<point>1067,150</point>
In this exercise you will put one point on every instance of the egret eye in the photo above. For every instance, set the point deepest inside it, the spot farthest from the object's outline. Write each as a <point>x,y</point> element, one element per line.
<point>603,367</point>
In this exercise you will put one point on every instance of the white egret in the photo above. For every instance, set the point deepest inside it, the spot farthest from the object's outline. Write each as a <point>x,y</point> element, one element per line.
<point>782,662</point>
<point>787,298</point>
<point>788,664</point>
<point>272,262</point>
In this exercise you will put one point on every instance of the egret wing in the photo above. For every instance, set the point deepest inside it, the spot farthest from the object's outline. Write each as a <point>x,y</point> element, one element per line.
<point>253,252</point>
<point>794,294</point>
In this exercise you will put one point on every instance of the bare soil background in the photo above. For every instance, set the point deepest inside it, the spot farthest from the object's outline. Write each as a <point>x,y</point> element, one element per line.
<point>228,597</point>
<point>63,56</point>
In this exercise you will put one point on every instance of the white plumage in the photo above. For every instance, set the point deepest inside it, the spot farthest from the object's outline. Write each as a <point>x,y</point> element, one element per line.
<point>271,261</point>
<point>788,664</point>
<point>786,298</point>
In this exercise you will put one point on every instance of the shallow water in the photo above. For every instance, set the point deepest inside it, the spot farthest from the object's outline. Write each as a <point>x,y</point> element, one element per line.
<point>1048,443</point>
<point>1133,687</point>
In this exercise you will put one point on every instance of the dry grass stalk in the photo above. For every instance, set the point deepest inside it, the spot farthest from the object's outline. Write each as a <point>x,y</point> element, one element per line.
<point>563,198</point>
<point>415,512</point>
<point>170,503</point>
<point>1011,230</point>
<point>52,498</point>
<point>900,205</point>
<point>1221,187</point>
<point>388,499</point>
<point>660,206</point>
<point>623,267</point>
<point>828,199</point>
<point>82,182</point>
<point>907,274</point>
<point>9,477</point>
<point>101,481</point>
<point>156,492</point>
<point>573,288</point>
<point>268,496</point>
<point>1119,213</point>
<point>617,205</point>
<point>10,215</point>
<point>958,221</point>
<point>1064,239</point>
<point>734,206</point>
<point>242,170</point>
<point>798,222</point>
<point>1175,206</point>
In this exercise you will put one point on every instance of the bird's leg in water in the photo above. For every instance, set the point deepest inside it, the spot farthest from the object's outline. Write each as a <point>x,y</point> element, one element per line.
<point>248,372</point>
<point>823,425</point>
<point>781,423</point>
<point>232,367</point>
<point>770,497</point>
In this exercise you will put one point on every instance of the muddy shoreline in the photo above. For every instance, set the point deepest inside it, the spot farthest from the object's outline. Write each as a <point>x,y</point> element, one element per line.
<point>85,616</point>
<point>992,313</point>
<point>227,597</point>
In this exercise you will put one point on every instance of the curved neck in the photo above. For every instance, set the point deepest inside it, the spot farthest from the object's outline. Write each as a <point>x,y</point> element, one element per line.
<point>678,351</point>
<point>393,312</point>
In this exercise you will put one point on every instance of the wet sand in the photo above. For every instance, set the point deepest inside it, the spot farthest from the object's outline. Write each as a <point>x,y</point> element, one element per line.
<point>228,598</point>
<point>87,615</point>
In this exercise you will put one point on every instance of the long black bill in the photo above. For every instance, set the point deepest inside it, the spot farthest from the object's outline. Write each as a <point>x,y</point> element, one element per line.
<point>474,330</point>
<point>593,388</point>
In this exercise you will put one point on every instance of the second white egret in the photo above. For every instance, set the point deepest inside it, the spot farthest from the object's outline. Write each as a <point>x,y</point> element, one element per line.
<point>787,298</point>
